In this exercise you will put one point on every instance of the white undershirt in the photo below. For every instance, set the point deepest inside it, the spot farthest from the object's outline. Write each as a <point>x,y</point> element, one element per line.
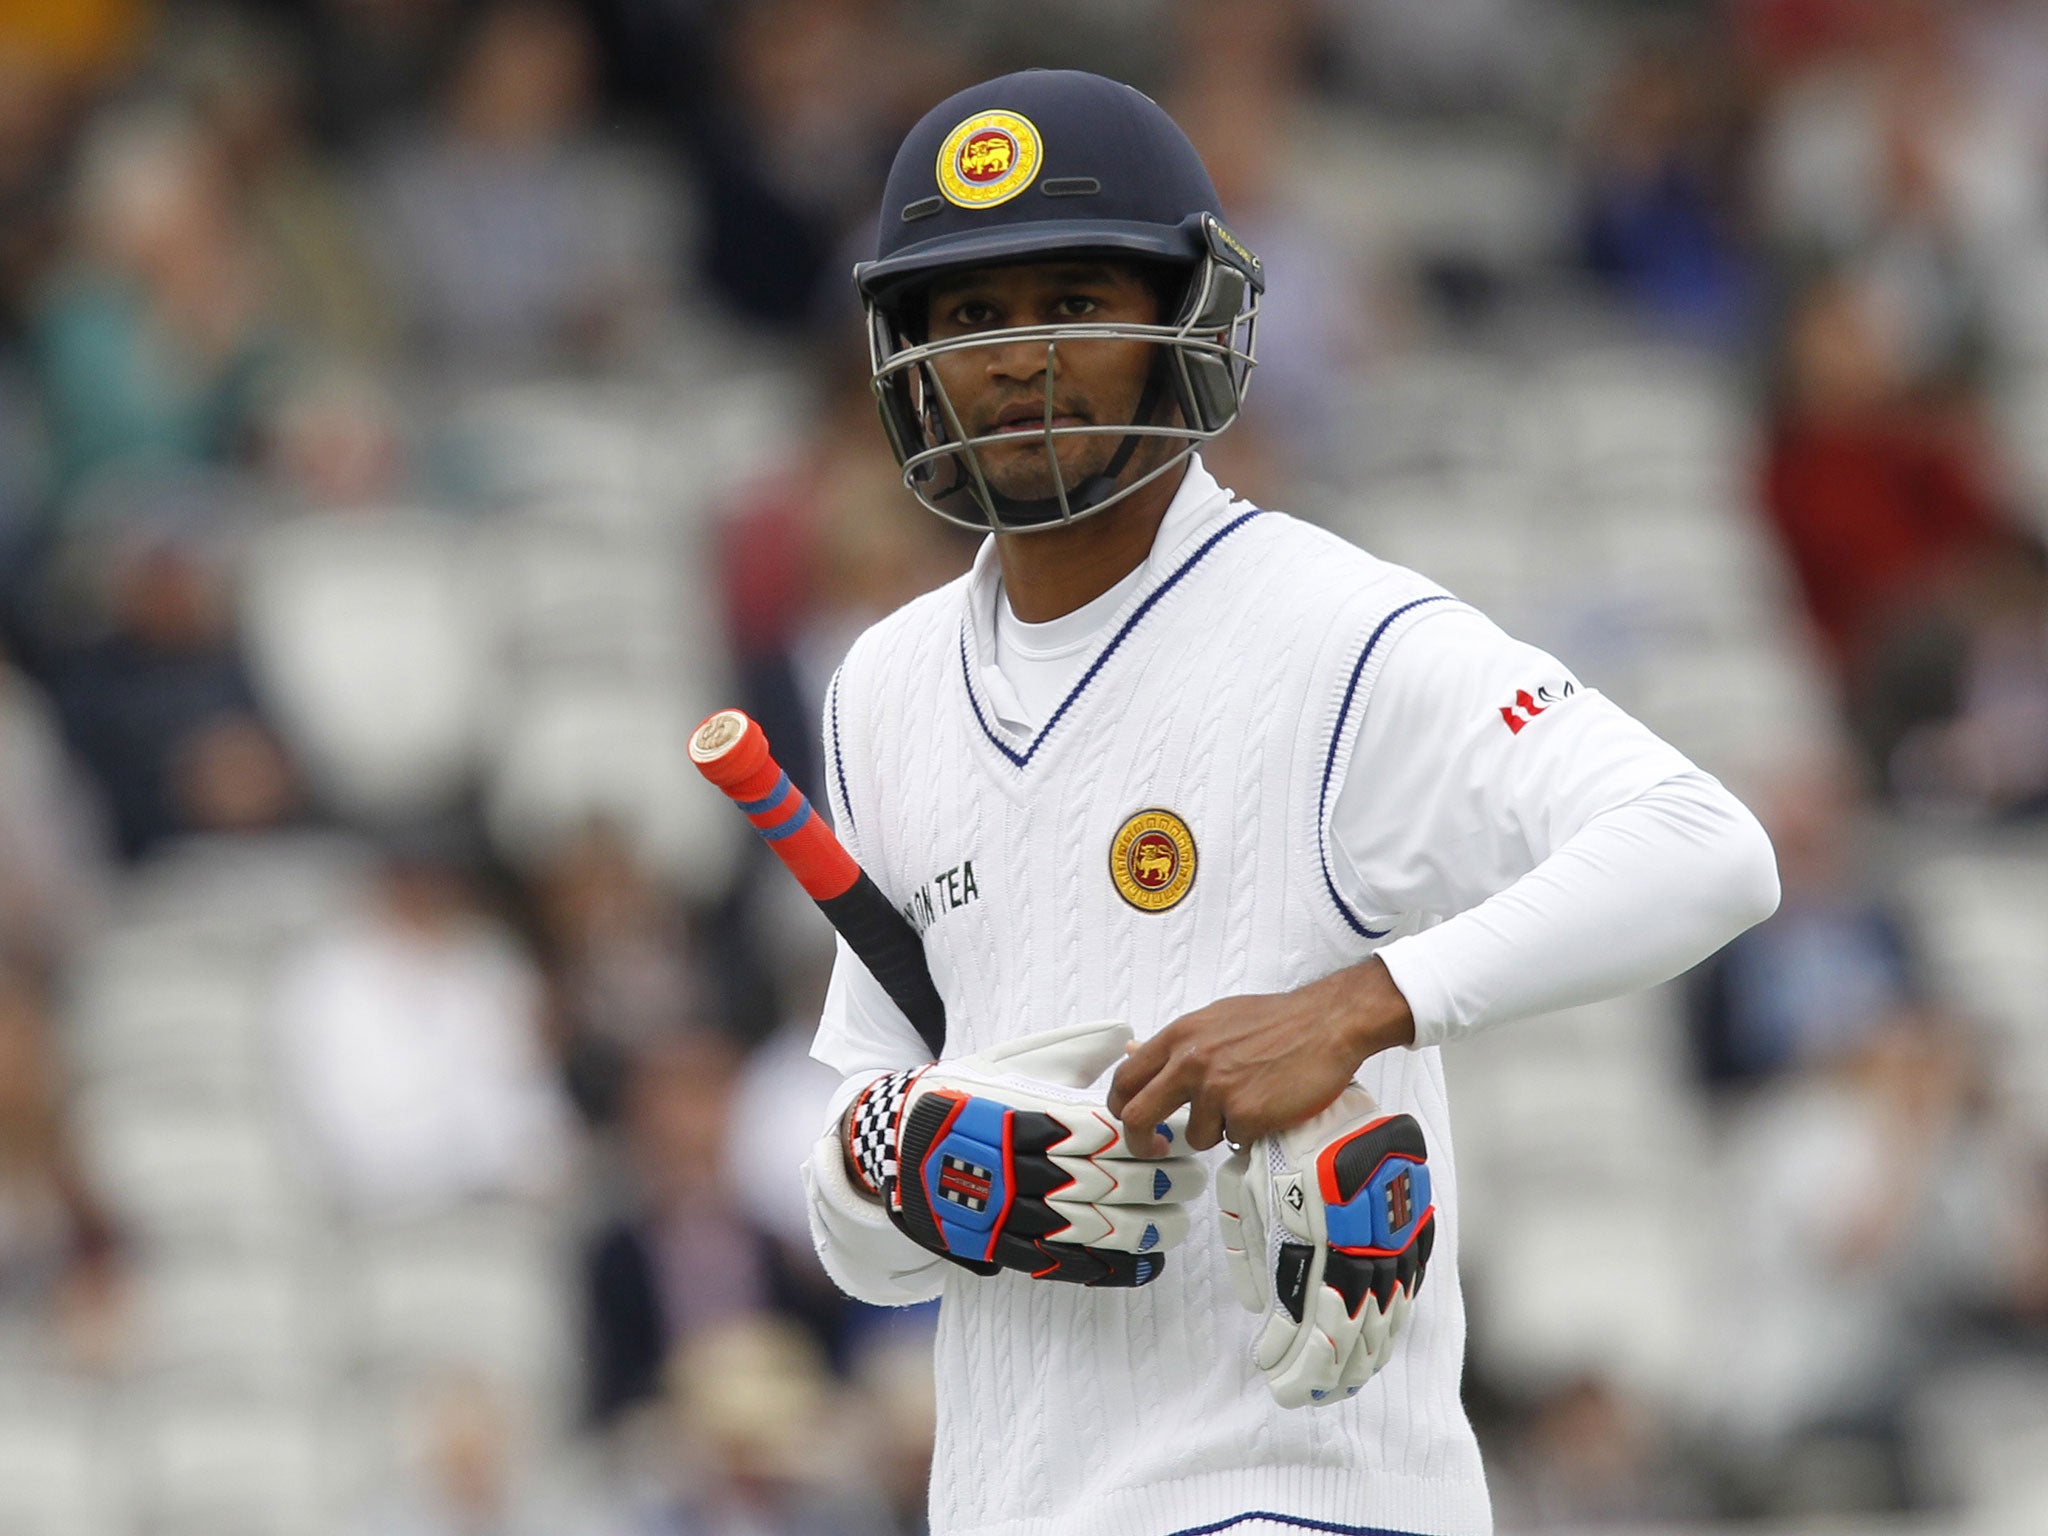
<point>1577,858</point>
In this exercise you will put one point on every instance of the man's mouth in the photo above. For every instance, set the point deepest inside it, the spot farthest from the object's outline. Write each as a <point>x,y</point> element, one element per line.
<point>1022,419</point>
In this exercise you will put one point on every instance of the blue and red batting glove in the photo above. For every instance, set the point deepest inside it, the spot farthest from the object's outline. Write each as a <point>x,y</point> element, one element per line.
<point>1007,1160</point>
<point>1328,1229</point>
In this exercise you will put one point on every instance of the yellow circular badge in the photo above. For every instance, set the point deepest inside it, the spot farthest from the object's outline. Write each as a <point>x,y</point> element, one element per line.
<point>1152,860</point>
<point>989,159</point>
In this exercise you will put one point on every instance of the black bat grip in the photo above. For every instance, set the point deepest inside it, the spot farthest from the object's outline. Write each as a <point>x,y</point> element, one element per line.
<point>890,948</point>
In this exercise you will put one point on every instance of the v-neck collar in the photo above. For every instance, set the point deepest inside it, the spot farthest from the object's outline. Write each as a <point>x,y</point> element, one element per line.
<point>1200,517</point>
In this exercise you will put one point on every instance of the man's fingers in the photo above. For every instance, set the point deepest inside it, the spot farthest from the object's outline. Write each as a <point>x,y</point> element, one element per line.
<point>1146,1110</point>
<point>1205,1124</point>
<point>1140,1065</point>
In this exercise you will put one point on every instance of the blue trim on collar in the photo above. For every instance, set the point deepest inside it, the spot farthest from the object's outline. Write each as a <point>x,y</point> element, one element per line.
<point>1330,767</point>
<point>1021,759</point>
<point>1297,1521</point>
<point>838,762</point>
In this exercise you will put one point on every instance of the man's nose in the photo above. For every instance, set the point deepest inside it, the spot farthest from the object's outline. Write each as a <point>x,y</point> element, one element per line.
<point>1021,361</point>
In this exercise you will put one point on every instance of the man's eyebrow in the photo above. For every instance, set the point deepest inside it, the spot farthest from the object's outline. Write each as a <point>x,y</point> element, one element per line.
<point>1085,273</point>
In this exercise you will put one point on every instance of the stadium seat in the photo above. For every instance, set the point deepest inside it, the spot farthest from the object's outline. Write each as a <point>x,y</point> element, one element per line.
<point>188,1175</point>
<point>617,606</point>
<point>262,1326</point>
<point>574,752</point>
<point>480,1291</point>
<point>230,1466</point>
<point>154,1002</point>
<point>55,1476</point>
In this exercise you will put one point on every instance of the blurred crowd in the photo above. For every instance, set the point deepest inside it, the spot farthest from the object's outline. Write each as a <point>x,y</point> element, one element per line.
<point>416,414</point>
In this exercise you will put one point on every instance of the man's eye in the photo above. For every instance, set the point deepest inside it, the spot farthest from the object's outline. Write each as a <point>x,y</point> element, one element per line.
<point>1075,305</point>
<point>974,315</point>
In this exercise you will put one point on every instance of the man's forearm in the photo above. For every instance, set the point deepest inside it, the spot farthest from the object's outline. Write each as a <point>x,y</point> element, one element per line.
<point>1637,895</point>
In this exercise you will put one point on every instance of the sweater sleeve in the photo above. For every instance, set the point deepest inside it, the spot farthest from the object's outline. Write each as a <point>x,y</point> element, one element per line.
<point>862,1034</point>
<point>1551,849</point>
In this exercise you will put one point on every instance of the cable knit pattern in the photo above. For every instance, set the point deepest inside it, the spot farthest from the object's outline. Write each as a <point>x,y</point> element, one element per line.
<point>1138,1413</point>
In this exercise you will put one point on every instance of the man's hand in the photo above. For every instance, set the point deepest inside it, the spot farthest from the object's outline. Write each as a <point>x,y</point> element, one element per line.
<point>1328,1229</point>
<point>1005,1160</point>
<point>1247,1066</point>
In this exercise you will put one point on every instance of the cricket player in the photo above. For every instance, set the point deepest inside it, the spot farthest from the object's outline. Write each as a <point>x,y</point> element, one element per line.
<point>1216,829</point>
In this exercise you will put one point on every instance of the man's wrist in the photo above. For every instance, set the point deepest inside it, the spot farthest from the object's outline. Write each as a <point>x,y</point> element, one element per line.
<point>1375,1016</point>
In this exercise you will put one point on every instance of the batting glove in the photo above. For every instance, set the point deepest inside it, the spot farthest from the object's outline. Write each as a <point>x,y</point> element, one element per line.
<point>1005,1160</point>
<point>1328,1229</point>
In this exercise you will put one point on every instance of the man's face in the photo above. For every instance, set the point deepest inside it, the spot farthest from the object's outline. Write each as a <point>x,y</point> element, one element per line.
<point>1000,388</point>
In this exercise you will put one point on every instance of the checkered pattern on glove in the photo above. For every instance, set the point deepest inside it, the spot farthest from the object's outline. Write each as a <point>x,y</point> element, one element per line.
<point>1010,1160</point>
<point>871,1133</point>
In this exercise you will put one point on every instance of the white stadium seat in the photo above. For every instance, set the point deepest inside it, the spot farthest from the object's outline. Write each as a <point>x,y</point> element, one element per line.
<point>573,753</point>
<point>189,1175</point>
<point>233,1467</point>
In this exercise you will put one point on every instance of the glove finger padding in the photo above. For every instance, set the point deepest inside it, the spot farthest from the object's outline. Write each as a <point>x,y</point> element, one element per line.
<point>1327,1229</point>
<point>1005,1160</point>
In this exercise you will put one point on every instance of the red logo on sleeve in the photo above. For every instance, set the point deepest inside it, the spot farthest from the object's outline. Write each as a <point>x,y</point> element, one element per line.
<point>1528,706</point>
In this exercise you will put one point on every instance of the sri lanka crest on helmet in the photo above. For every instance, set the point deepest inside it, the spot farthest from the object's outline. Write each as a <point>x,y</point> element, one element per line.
<point>989,159</point>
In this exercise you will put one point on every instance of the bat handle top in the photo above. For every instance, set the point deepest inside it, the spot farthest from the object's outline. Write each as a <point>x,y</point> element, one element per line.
<point>728,747</point>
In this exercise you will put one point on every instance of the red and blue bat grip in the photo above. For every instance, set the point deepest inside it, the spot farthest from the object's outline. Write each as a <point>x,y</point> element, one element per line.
<point>731,751</point>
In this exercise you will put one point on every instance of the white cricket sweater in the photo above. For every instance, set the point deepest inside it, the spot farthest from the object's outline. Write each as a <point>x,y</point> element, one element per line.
<point>1232,687</point>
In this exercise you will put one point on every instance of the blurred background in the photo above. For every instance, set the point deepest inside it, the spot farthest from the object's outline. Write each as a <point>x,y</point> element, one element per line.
<point>415,414</point>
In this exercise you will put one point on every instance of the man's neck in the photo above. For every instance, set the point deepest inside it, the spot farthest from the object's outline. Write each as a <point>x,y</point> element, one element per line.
<point>1051,573</point>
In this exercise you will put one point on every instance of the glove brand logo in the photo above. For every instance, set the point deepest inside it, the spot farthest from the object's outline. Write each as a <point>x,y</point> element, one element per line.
<point>964,1183</point>
<point>1400,1203</point>
<point>989,159</point>
<point>1294,1194</point>
<point>1152,860</point>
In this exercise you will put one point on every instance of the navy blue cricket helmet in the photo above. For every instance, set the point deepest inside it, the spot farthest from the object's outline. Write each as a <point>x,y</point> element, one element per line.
<point>1054,164</point>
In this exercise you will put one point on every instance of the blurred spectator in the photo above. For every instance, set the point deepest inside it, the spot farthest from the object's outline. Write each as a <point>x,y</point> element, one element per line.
<point>61,1280</point>
<point>153,343</point>
<point>1848,1195</point>
<point>766,1439</point>
<point>1657,223</point>
<point>812,557</point>
<point>896,1407</point>
<point>686,1255</point>
<point>52,875</point>
<point>409,1041</point>
<point>1822,973</point>
<point>618,960</point>
<point>1990,756</point>
<point>815,94</point>
<point>1447,56</point>
<point>35,122</point>
<point>147,675</point>
<point>516,236</point>
<point>334,441</point>
<point>84,42</point>
<point>1778,38</point>
<point>248,85</point>
<point>1886,152</point>
<point>472,1470</point>
<point>1881,502</point>
<point>1240,95</point>
<point>1591,1456</point>
<point>374,63</point>
<point>779,1105</point>
<point>369,635</point>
